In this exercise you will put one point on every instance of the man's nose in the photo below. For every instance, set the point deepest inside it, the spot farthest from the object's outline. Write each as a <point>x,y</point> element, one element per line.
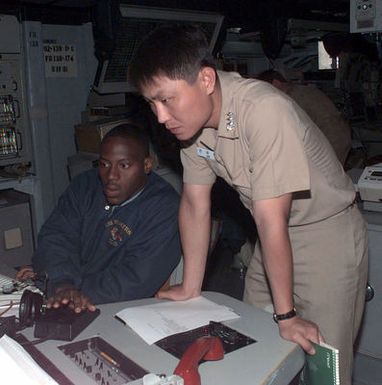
<point>113,173</point>
<point>162,114</point>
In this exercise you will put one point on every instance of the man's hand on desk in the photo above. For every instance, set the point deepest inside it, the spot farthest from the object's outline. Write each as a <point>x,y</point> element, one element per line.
<point>177,293</point>
<point>300,331</point>
<point>71,297</point>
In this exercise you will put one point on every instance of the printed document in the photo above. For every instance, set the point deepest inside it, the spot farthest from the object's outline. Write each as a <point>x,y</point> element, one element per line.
<point>160,320</point>
<point>18,367</point>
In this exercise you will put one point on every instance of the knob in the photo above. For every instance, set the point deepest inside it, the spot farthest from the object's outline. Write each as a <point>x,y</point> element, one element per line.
<point>369,293</point>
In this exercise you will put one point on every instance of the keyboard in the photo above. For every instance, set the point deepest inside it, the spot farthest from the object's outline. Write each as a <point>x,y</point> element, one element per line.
<point>9,303</point>
<point>11,292</point>
<point>5,281</point>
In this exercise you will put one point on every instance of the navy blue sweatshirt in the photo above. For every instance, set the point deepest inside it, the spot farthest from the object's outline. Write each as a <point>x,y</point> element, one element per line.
<point>110,253</point>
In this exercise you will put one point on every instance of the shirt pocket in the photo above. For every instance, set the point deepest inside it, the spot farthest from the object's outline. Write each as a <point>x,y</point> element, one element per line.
<point>241,183</point>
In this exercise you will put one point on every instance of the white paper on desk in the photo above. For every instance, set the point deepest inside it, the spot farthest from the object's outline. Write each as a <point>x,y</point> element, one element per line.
<point>160,320</point>
<point>18,367</point>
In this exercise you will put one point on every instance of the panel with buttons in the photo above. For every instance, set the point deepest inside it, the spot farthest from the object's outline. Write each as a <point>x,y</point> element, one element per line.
<point>14,141</point>
<point>370,183</point>
<point>365,16</point>
<point>365,9</point>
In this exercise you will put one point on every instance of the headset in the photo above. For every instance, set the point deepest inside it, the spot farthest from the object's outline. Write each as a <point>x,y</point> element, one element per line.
<point>31,306</point>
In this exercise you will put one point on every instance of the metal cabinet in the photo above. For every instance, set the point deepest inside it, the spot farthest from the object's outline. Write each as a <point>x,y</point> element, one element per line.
<point>16,234</point>
<point>368,359</point>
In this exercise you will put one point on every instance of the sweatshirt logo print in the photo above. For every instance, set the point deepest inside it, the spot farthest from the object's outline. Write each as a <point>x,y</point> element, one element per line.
<point>118,231</point>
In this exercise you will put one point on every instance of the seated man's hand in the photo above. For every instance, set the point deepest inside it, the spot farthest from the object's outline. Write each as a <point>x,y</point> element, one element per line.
<point>176,293</point>
<point>71,297</point>
<point>25,273</point>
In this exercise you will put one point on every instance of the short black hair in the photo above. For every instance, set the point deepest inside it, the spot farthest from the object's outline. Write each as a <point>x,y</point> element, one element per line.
<point>175,51</point>
<point>270,75</point>
<point>129,130</point>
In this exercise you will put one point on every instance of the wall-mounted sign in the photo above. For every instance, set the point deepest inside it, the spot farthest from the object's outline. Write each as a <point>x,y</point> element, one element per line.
<point>60,60</point>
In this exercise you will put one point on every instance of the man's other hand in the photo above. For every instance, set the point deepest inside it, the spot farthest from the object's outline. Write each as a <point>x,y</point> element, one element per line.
<point>302,332</point>
<point>177,293</point>
<point>25,273</point>
<point>71,297</point>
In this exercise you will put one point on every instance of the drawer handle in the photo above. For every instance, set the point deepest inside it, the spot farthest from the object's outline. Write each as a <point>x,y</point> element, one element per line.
<point>369,293</point>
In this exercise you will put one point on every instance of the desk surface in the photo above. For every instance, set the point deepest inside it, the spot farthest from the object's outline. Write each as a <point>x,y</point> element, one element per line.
<point>271,360</point>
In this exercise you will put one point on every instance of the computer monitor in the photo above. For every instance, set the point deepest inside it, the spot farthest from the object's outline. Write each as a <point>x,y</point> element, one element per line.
<point>135,24</point>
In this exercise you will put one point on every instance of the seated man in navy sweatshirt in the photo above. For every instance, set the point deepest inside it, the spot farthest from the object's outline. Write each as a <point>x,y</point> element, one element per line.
<point>113,235</point>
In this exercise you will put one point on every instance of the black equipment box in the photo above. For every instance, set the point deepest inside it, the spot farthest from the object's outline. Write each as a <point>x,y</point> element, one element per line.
<point>62,323</point>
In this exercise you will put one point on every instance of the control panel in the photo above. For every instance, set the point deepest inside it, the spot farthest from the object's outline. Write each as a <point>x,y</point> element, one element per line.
<point>365,16</point>
<point>102,362</point>
<point>14,140</point>
<point>370,183</point>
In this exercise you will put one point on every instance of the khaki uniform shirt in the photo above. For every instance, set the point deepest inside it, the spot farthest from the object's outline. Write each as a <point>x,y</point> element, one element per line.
<point>267,146</point>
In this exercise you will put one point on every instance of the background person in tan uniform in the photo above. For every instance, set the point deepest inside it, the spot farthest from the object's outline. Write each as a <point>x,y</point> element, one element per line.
<point>320,109</point>
<point>312,254</point>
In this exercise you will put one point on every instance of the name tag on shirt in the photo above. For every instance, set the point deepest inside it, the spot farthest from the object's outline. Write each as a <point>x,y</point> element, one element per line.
<point>204,153</point>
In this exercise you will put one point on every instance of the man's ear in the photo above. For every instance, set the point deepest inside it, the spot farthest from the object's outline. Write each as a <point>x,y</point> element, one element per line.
<point>208,79</point>
<point>148,164</point>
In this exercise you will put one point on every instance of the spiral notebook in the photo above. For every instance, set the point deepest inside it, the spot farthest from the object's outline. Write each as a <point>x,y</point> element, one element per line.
<point>323,367</point>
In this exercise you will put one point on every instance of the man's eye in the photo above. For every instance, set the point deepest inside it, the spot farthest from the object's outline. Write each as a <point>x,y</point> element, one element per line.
<point>165,100</point>
<point>102,164</point>
<point>124,165</point>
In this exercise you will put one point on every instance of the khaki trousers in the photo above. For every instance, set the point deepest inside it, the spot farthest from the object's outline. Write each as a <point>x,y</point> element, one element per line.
<point>330,262</point>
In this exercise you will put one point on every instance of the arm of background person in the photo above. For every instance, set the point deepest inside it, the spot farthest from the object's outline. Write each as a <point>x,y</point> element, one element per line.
<point>25,273</point>
<point>194,224</point>
<point>271,216</point>
<point>146,260</point>
<point>326,116</point>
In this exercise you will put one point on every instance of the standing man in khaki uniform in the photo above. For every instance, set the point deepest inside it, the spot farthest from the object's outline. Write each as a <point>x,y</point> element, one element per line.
<point>311,258</point>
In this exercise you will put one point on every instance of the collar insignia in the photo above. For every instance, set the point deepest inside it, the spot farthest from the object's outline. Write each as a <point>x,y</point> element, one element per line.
<point>230,121</point>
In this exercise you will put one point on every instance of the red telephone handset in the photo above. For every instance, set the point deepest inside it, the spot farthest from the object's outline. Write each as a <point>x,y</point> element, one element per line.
<point>208,348</point>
